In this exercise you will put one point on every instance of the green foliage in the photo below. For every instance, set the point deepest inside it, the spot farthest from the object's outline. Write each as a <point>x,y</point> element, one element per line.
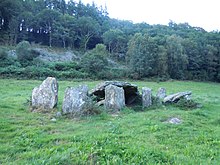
<point>64,30</point>
<point>3,54</point>
<point>87,27</point>
<point>11,71</point>
<point>60,70</point>
<point>46,19</point>
<point>25,54</point>
<point>65,66</point>
<point>177,60</point>
<point>141,55</point>
<point>115,39</point>
<point>95,61</point>
<point>177,51</point>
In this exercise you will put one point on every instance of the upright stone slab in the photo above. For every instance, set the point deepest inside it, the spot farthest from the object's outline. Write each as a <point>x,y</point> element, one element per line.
<point>75,100</point>
<point>161,93</point>
<point>146,97</point>
<point>45,96</point>
<point>114,97</point>
<point>130,91</point>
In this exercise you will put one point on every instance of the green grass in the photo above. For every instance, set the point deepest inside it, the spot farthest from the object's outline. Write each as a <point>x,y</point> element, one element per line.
<point>129,138</point>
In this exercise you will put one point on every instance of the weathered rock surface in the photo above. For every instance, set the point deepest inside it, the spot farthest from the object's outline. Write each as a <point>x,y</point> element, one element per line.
<point>46,95</point>
<point>177,96</point>
<point>161,93</point>
<point>146,97</point>
<point>130,90</point>
<point>75,100</point>
<point>100,103</point>
<point>50,56</point>
<point>114,97</point>
<point>174,121</point>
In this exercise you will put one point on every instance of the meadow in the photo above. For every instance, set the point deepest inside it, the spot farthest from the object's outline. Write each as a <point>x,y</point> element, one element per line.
<point>130,137</point>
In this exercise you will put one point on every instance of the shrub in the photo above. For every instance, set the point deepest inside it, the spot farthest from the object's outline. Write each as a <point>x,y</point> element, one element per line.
<point>71,74</point>
<point>4,59</point>
<point>38,72</point>
<point>95,61</point>
<point>65,66</point>
<point>3,54</point>
<point>11,71</point>
<point>25,54</point>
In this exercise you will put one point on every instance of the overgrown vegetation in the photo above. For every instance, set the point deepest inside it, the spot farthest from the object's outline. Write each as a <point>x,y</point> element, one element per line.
<point>176,51</point>
<point>93,65</point>
<point>125,138</point>
<point>25,54</point>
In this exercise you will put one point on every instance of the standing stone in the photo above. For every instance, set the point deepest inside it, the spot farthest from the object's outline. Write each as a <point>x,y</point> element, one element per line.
<point>146,97</point>
<point>45,96</point>
<point>161,93</point>
<point>114,97</point>
<point>75,100</point>
<point>130,91</point>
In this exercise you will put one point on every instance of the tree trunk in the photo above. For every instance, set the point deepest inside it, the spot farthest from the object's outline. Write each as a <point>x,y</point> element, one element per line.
<point>50,36</point>
<point>87,40</point>
<point>64,43</point>
<point>50,40</point>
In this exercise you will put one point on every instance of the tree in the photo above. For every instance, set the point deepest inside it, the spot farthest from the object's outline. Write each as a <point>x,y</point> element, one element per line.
<point>142,51</point>
<point>64,30</point>
<point>87,28</point>
<point>26,25</point>
<point>9,26</point>
<point>192,51</point>
<point>59,5</point>
<point>115,40</point>
<point>162,62</point>
<point>177,60</point>
<point>211,62</point>
<point>46,19</point>
<point>71,7</point>
<point>95,61</point>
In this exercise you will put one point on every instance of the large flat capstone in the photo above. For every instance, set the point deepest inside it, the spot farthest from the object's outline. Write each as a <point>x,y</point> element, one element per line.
<point>45,96</point>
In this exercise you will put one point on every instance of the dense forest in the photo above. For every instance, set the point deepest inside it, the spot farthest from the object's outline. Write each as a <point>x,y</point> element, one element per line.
<point>177,51</point>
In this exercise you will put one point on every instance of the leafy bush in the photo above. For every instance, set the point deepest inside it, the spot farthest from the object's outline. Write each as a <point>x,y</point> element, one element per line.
<point>25,54</point>
<point>38,72</point>
<point>11,71</point>
<point>65,66</point>
<point>5,60</point>
<point>95,61</point>
<point>3,54</point>
<point>115,73</point>
<point>71,74</point>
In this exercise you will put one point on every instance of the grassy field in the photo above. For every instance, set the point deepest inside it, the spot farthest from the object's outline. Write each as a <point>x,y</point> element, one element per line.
<point>129,138</point>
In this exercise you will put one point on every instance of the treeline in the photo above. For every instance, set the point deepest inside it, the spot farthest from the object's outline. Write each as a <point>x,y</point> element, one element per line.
<point>177,51</point>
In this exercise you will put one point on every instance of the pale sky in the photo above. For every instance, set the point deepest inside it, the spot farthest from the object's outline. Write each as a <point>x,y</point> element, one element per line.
<point>200,13</point>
